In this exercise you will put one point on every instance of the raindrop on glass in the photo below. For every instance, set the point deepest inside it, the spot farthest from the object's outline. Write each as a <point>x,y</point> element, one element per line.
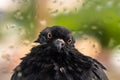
<point>79,1</point>
<point>18,13</point>
<point>100,32</point>
<point>85,26</point>
<point>55,11</point>
<point>109,3</point>
<point>29,16</point>
<point>119,4</point>
<point>9,26</point>
<point>85,38</point>
<point>6,57</point>
<point>93,45</point>
<point>11,46</point>
<point>43,22</point>
<point>111,42</point>
<point>21,17</point>
<point>54,1</point>
<point>31,25</point>
<point>80,32</point>
<point>60,3</point>
<point>98,8</point>
<point>94,27</point>
<point>26,42</point>
<point>21,31</point>
<point>65,10</point>
<point>76,9</point>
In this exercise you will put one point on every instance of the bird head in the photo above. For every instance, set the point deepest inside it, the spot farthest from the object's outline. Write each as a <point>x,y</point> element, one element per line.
<point>57,36</point>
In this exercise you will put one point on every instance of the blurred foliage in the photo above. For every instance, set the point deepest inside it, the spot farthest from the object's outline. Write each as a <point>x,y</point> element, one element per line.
<point>22,19</point>
<point>25,18</point>
<point>97,18</point>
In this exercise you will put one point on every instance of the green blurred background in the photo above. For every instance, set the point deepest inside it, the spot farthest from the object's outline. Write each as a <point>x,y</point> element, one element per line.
<point>95,22</point>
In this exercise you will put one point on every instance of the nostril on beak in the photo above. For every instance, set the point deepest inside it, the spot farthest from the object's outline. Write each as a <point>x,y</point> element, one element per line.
<point>63,44</point>
<point>59,44</point>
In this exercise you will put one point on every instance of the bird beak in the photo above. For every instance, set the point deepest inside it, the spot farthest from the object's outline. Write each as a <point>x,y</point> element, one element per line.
<point>36,41</point>
<point>59,44</point>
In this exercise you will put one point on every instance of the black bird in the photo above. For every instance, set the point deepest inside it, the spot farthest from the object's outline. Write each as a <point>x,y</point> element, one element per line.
<point>57,59</point>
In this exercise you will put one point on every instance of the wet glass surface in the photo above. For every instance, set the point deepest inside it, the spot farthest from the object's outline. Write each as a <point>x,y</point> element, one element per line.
<point>95,25</point>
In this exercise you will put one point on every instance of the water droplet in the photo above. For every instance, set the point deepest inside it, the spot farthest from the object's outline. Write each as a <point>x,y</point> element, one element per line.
<point>35,17</point>
<point>93,45</point>
<point>29,16</point>
<point>80,32</point>
<point>65,10</point>
<point>55,11</point>
<point>11,46</point>
<point>87,5</point>
<point>119,47</point>
<point>118,60</point>
<point>6,57</point>
<point>21,17</point>
<point>96,51</point>
<point>115,57</point>
<point>109,3</point>
<point>61,3</point>
<point>26,42</point>
<point>18,13</point>
<point>85,26</point>
<point>76,9</point>
<point>79,1</point>
<point>111,42</point>
<point>100,32</point>
<point>54,1</point>
<point>90,42</point>
<point>119,5</point>
<point>11,26</point>
<point>13,0</point>
<point>85,38</point>
<point>21,31</point>
<point>31,25</point>
<point>43,22</point>
<point>4,70</point>
<point>98,7</point>
<point>94,27</point>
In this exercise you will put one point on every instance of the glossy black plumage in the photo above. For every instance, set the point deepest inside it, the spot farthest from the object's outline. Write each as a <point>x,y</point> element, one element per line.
<point>47,62</point>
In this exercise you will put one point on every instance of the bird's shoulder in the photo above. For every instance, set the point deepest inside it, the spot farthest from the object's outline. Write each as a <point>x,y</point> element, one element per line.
<point>84,59</point>
<point>91,68</point>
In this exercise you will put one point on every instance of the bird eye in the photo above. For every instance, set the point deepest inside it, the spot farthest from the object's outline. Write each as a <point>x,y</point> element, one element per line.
<point>49,35</point>
<point>69,41</point>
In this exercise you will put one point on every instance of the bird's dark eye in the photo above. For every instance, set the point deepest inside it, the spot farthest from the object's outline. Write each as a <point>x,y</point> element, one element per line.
<point>69,41</point>
<point>49,35</point>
